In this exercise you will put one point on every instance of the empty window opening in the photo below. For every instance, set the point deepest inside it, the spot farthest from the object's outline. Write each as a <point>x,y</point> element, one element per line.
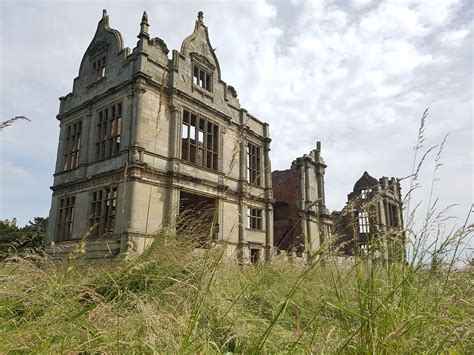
<point>98,68</point>
<point>254,255</point>
<point>109,131</point>
<point>254,218</point>
<point>393,220</point>
<point>202,78</point>
<point>199,140</point>
<point>364,193</point>
<point>364,222</point>
<point>72,145</point>
<point>254,170</point>
<point>103,209</point>
<point>65,218</point>
<point>197,218</point>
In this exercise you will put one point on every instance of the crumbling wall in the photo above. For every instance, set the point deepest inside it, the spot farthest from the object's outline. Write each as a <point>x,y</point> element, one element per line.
<point>287,195</point>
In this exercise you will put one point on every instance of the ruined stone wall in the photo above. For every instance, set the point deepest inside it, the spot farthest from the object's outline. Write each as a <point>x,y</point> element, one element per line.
<point>287,195</point>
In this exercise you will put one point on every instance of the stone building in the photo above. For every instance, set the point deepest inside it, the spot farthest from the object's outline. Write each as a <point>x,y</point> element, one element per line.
<point>372,218</point>
<point>7,222</point>
<point>301,219</point>
<point>145,133</point>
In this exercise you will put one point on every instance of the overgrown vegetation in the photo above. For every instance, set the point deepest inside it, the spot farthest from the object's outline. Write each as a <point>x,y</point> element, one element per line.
<point>174,299</point>
<point>27,239</point>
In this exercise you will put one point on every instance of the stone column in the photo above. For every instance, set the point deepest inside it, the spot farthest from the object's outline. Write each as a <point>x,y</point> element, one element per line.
<point>269,243</point>
<point>136,114</point>
<point>242,247</point>
<point>308,204</point>
<point>174,148</point>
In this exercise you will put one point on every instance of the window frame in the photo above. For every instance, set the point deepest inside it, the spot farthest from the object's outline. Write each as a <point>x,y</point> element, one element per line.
<point>65,218</point>
<point>99,67</point>
<point>72,145</point>
<point>200,140</point>
<point>254,164</point>
<point>105,201</point>
<point>108,131</point>
<point>255,218</point>
<point>202,78</point>
<point>363,223</point>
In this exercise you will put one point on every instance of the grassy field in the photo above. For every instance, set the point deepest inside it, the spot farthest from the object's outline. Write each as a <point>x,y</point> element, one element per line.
<point>176,300</point>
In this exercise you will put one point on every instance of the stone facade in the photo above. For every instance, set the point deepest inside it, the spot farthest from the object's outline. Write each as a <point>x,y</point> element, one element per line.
<point>140,130</point>
<point>372,218</point>
<point>148,137</point>
<point>301,220</point>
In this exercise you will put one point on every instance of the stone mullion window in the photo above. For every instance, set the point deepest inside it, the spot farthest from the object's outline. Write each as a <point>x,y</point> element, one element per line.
<point>72,146</point>
<point>202,78</point>
<point>103,207</point>
<point>364,222</point>
<point>109,131</point>
<point>98,68</point>
<point>199,140</point>
<point>65,218</point>
<point>254,170</point>
<point>254,218</point>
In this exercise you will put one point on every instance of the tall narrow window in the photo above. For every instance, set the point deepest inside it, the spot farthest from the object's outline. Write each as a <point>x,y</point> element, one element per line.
<point>392,215</point>
<point>109,131</point>
<point>103,208</point>
<point>72,145</point>
<point>364,222</point>
<point>254,218</point>
<point>202,78</point>
<point>254,170</point>
<point>98,68</point>
<point>65,218</point>
<point>199,140</point>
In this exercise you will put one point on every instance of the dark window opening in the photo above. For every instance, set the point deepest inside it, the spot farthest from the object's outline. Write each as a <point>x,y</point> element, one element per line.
<point>197,218</point>
<point>103,209</point>
<point>254,170</point>
<point>199,140</point>
<point>98,68</point>
<point>202,78</point>
<point>109,131</point>
<point>254,255</point>
<point>393,220</point>
<point>65,218</point>
<point>72,145</point>
<point>254,218</point>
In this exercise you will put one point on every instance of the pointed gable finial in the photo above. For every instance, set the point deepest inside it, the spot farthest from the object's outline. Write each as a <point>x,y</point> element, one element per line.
<point>105,17</point>
<point>200,17</point>
<point>145,17</point>
<point>144,26</point>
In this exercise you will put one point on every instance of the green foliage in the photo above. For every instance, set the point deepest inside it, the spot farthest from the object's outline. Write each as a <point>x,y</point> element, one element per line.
<point>176,299</point>
<point>28,239</point>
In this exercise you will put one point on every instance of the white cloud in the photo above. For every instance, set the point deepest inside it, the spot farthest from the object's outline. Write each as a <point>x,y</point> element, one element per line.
<point>356,76</point>
<point>454,38</point>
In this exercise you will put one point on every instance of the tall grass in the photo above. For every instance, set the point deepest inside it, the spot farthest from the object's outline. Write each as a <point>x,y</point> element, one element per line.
<point>174,299</point>
<point>177,298</point>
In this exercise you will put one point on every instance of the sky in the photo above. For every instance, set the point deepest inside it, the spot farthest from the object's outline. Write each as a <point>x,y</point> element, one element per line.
<point>355,75</point>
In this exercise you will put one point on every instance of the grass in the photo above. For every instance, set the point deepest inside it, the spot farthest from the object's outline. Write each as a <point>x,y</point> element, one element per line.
<point>173,299</point>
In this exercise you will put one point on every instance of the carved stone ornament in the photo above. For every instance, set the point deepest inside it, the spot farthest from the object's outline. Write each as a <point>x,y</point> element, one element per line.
<point>130,249</point>
<point>232,91</point>
<point>203,61</point>
<point>98,47</point>
<point>136,155</point>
